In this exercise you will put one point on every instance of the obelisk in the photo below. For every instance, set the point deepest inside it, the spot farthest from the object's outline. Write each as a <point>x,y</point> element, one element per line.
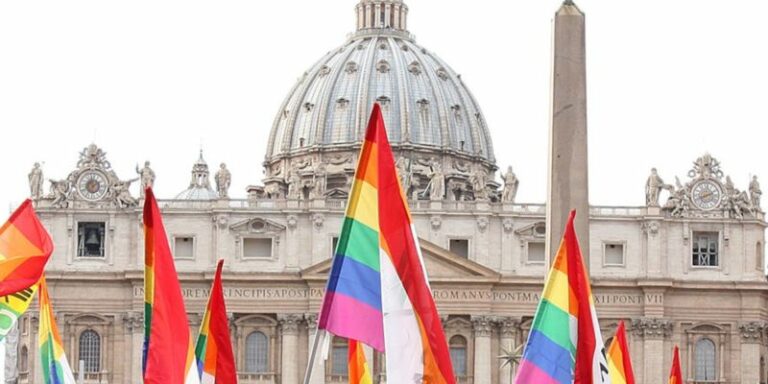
<point>568,177</point>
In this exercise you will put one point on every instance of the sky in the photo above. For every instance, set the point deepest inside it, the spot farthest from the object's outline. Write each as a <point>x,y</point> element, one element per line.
<point>156,80</point>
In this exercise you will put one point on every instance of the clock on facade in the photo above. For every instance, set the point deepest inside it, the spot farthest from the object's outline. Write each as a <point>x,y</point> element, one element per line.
<point>706,194</point>
<point>92,185</point>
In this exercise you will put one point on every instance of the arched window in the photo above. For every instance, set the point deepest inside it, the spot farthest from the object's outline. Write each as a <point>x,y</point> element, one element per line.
<point>256,353</point>
<point>704,355</point>
<point>90,350</point>
<point>339,357</point>
<point>24,359</point>
<point>458,346</point>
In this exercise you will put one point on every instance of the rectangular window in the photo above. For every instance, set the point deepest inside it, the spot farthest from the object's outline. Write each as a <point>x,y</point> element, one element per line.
<point>613,253</point>
<point>339,360</point>
<point>90,239</point>
<point>257,248</point>
<point>459,247</point>
<point>184,247</point>
<point>536,252</point>
<point>334,244</point>
<point>705,249</point>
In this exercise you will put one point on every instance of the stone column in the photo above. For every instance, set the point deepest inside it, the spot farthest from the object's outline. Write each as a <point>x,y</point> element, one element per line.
<point>318,369</point>
<point>508,328</point>
<point>481,325</point>
<point>134,336</point>
<point>653,332</point>
<point>289,331</point>
<point>751,340</point>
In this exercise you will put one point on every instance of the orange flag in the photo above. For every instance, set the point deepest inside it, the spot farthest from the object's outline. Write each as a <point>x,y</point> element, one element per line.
<point>25,247</point>
<point>619,363</point>
<point>358,373</point>
<point>675,375</point>
<point>168,347</point>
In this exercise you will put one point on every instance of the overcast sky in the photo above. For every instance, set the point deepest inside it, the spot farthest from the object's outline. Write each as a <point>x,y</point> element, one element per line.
<point>668,81</point>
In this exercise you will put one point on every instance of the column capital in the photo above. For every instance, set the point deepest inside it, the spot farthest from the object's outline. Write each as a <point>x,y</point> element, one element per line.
<point>752,332</point>
<point>311,320</point>
<point>133,321</point>
<point>289,323</point>
<point>482,325</point>
<point>652,328</point>
<point>508,326</point>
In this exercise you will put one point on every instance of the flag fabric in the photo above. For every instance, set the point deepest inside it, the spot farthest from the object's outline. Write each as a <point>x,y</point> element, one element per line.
<point>359,372</point>
<point>564,344</point>
<point>25,247</point>
<point>619,363</point>
<point>12,307</point>
<point>676,374</point>
<point>168,351</point>
<point>56,369</point>
<point>377,291</point>
<point>213,351</point>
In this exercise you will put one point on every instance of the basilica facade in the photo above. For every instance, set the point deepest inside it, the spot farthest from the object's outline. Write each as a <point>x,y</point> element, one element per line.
<point>685,269</point>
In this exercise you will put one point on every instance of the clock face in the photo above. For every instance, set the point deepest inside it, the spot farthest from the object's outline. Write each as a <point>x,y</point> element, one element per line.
<point>706,195</point>
<point>92,185</point>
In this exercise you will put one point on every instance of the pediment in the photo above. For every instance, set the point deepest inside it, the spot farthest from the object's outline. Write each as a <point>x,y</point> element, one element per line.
<point>256,225</point>
<point>441,264</point>
<point>531,231</point>
<point>336,193</point>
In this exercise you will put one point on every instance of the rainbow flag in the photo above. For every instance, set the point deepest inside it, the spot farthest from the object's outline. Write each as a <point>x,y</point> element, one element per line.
<point>213,351</point>
<point>359,373</point>
<point>378,291</point>
<point>619,363</point>
<point>12,307</point>
<point>25,247</point>
<point>676,374</point>
<point>55,367</point>
<point>564,345</point>
<point>169,356</point>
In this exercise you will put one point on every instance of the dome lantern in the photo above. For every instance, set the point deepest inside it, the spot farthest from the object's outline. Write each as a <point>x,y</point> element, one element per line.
<point>382,15</point>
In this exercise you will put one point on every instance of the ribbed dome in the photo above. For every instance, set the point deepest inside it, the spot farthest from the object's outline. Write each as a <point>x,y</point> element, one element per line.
<point>199,185</point>
<point>425,103</point>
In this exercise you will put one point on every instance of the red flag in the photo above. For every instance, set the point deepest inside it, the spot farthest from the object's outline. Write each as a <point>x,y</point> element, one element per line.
<point>168,354</point>
<point>25,247</point>
<point>215,360</point>
<point>619,363</point>
<point>675,375</point>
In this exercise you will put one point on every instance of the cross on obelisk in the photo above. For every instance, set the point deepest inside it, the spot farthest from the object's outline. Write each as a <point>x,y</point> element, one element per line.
<point>568,177</point>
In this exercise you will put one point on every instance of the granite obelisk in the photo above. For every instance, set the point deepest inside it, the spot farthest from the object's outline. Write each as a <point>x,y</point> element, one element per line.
<point>568,177</point>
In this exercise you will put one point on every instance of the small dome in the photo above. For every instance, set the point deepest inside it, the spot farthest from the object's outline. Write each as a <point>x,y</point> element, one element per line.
<point>200,185</point>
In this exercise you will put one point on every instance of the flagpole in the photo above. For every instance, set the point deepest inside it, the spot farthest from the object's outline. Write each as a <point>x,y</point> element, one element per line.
<point>312,355</point>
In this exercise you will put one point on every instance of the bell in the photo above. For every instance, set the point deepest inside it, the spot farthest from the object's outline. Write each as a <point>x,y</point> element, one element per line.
<point>92,238</point>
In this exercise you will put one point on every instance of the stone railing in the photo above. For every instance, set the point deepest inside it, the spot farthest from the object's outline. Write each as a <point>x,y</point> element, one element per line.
<point>257,378</point>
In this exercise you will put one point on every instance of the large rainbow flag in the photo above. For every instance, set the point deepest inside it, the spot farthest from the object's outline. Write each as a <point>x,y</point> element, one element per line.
<point>358,370</point>
<point>213,351</point>
<point>169,356</point>
<point>676,374</point>
<point>24,249</point>
<point>619,362</point>
<point>12,307</point>
<point>378,291</point>
<point>56,369</point>
<point>564,345</point>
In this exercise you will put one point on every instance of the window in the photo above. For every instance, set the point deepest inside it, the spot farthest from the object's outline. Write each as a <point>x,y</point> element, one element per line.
<point>339,357</point>
<point>459,247</point>
<point>613,253</point>
<point>256,353</point>
<point>184,247</point>
<point>257,248</point>
<point>334,244</point>
<point>760,264</point>
<point>90,239</point>
<point>536,252</point>
<point>458,351</point>
<point>24,359</point>
<point>90,350</point>
<point>704,363</point>
<point>705,246</point>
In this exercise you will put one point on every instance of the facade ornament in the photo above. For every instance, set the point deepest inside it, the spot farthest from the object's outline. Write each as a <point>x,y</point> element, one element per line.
<point>291,220</point>
<point>478,180</point>
<point>482,325</point>
<point>436,186</point>
<point>752,332</point>
<point>507,224</point>
<point>36,182</point>
<point>679,201</point>
<point>223,181</point>
<point>272,191</point>
<point>319,181</point>
<point>133,321</point>
<point>650,227</point>
<point>382,66</point>
<point>289,324</point>
<point>318,219</point>
<point>508,326</point>
<point>122,195</point>
<point>311,320</point>
<point>461,166</point>
<point>510,186</point>
<point>403,174</point>
<point>324,71</point>
<point>706,167</point>
<point>653,187</point>
<point>93,157</point>
<point>442,73</point>
<point>294,185</point>
<point>414,68</point>
<point>652,328</point>
<point>482,223</point>
<point>436,221</point>
<point>350,68</point>
<point>754,193</point>
<point>60,191</point>
<point>147,177</point>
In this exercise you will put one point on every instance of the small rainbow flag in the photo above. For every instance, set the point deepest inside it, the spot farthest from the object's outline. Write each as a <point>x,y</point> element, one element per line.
<point>564,345</point>
<point>213,351</point>
<point>676,374</point>
<point>56,369</point>
<point>378,291</point>
<point>169,357</point>
<point>25,247</point>
<point>359,373</point>
<point>619,362</point>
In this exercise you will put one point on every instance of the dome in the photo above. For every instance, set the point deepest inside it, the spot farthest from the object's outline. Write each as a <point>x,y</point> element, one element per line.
<point>430,114</point>
<point>199,185</point>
